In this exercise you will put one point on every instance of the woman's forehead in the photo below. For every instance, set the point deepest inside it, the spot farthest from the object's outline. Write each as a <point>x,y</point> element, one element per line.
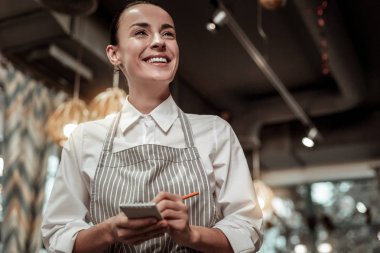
<point>145,13</point>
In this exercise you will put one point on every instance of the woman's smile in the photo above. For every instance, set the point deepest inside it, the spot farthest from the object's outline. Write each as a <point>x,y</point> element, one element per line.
<point>157,59</point>
<point>148,48</point>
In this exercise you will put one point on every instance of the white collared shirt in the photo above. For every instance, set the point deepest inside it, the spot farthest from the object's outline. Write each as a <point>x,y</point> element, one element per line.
<point>220,151</point>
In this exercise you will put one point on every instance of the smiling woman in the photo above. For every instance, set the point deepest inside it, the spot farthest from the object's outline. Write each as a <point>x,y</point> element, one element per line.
<point>145,50</point>
<point>152,152</point>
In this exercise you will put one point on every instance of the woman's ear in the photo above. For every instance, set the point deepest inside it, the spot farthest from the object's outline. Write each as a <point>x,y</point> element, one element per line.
<point>113,55</point>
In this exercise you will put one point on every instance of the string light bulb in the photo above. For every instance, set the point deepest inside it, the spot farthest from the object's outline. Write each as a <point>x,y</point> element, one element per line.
<point>321,22</point>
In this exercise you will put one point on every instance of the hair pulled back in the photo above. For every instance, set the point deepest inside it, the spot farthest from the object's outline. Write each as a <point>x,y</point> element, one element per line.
<point>116,20</point>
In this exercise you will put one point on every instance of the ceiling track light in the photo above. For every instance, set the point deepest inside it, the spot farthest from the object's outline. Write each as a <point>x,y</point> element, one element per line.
<point>311,137</point>
<point>223,16</point>
<point>220,17</point>
<point>218,20</point>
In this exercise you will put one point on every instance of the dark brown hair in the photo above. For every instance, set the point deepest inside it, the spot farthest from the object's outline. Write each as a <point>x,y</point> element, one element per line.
<point>115,22</point>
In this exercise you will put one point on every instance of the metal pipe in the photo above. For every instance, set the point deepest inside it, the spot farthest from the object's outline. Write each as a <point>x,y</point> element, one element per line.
<point>263,65</point>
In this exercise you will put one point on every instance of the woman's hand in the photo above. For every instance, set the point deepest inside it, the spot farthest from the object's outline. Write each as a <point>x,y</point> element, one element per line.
<point>175,214</point>
<point>118,229</point>
<point>134,231</point>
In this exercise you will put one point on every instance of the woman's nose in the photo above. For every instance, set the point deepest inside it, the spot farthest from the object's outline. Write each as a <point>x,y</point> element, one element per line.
<point>158,42</point>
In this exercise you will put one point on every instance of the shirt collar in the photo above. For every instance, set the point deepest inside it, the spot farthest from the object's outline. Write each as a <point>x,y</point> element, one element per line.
<point>164,114</point>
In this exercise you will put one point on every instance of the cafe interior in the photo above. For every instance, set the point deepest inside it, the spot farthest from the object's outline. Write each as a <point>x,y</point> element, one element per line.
<point>298,81</point>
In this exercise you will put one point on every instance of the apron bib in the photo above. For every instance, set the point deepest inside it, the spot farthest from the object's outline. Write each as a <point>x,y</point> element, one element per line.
<point>138,174</point>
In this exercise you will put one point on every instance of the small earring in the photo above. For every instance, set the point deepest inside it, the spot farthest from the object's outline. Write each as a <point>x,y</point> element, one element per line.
<point>116,73</point>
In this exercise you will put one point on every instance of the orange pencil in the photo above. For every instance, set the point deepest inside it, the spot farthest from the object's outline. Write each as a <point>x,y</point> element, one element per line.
<point>190,195</point>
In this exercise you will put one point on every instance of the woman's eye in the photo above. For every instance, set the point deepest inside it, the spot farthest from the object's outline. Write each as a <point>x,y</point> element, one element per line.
<point>140,33</point>
<point>169,34</point>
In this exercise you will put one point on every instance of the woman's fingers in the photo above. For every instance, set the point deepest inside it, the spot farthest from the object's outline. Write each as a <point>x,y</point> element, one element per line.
<point>137,223</point>
<point>131,230</point>
<point>166,195</point>
<point>134,231</point>
<point>139,238</point>
<point>175,213</point>
<point>170,214</point>
<point>169,204</point>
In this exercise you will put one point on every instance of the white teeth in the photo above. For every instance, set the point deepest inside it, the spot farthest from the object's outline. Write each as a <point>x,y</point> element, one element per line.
<point>157,59</point>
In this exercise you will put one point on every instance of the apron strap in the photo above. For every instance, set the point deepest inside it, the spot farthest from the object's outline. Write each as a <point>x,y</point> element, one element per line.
<point>186,129</point>
<point>111,133</point>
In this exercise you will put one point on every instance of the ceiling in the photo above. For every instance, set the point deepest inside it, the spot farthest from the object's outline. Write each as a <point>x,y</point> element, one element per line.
<point>344,104</point>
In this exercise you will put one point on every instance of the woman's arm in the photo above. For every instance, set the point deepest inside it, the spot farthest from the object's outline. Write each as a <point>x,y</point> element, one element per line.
<point>210,240</point>
<point>242,221</point>
<point>67,206</point>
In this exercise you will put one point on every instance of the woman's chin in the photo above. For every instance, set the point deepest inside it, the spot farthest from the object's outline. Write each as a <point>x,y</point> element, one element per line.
<point>161,78</point>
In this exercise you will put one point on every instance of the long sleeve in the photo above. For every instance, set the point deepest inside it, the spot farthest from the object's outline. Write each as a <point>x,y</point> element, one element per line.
<point>67,206</point>
<point>235,197</point>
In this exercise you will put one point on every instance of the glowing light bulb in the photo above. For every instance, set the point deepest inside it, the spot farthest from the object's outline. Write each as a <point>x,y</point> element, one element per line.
<point>300,248</point>
<point>211,27</point>
<point>264,194</point>
<point>69,128</point>
<point>361,207</point>
<point>325,247</point>
<point>307,142</point>
<point>261,202</point>
<point>1,166</point>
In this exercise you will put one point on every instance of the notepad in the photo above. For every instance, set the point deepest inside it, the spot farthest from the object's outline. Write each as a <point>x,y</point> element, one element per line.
<point>140,210</point>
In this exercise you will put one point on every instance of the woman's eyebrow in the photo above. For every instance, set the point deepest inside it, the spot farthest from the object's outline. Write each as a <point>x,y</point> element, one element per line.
<point>140,24</point>
<point>145,25</point>
<point>166,26</point>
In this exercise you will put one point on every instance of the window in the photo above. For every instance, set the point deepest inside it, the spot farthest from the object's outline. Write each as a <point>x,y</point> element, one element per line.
<point>341,216</point>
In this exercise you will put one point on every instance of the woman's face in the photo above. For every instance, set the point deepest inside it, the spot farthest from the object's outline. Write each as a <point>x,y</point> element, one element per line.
<point>147,49</point>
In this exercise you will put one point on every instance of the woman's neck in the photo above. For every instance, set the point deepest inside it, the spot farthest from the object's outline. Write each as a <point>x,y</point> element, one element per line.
<point>145,101</point>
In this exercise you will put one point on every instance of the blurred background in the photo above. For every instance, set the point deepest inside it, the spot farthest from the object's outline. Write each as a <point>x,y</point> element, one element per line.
<point>298,80</point>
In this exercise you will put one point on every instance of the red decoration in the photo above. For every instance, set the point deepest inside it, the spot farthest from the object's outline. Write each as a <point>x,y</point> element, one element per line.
<point>321,22</point>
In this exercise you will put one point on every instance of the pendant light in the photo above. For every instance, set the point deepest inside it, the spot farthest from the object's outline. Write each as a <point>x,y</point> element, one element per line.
<point>272,4</point>
<point>65,119</point>
<point>109,101</point>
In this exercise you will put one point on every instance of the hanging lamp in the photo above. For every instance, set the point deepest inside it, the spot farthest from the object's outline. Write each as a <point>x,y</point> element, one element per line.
<point>109,101</point>
<point>272,4</point>
<point>65,119</point>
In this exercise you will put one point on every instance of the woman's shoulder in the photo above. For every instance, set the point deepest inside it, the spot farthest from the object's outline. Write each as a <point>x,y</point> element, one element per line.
<point>94,130</point>
<point>210,121</point>
<point>98,123</point>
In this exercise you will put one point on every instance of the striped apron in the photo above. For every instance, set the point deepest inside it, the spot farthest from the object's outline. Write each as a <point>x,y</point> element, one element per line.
<point>138,174</point>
